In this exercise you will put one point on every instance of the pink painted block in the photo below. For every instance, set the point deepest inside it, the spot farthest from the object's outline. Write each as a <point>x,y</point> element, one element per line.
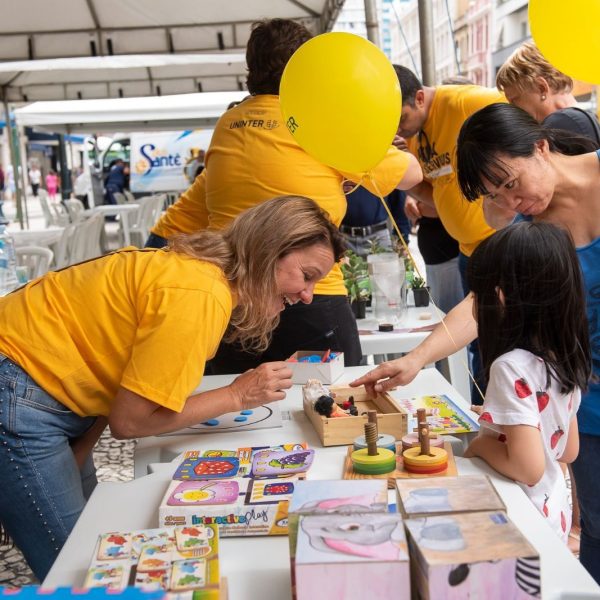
<point>351,557</point>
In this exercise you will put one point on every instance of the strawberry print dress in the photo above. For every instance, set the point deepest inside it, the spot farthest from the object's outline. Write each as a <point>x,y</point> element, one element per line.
<point>517,395</point>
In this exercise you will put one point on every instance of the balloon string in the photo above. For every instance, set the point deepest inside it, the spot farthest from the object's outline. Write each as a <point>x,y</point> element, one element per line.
<point>369,176</point>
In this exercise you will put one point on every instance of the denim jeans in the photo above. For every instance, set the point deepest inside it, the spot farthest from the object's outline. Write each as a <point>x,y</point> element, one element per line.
<point>43,490</point>
<point>585,469</point>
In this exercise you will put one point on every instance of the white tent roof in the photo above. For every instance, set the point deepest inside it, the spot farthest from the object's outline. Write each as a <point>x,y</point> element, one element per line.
<point>104,30</point>
<point>183,111</point>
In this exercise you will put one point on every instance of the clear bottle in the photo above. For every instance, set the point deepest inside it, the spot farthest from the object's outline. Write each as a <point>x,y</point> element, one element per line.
<point>388,284</point>
<point>8,263</point>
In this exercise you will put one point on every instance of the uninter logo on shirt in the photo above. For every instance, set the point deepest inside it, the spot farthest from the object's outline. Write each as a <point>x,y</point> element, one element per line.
<point>434,164</point>
<point>260,123</point>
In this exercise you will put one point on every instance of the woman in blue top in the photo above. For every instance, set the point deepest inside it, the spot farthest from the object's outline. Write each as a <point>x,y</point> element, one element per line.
<point>520,167</point>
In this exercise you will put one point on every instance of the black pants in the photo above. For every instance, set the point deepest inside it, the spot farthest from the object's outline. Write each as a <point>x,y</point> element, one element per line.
<point>327,323</point>
<point>34,189</point>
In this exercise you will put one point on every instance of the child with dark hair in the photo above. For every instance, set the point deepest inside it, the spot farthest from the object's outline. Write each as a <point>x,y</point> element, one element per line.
<point>529,304</point>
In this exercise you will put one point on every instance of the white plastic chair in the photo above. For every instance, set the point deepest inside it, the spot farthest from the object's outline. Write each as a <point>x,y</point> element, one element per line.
<point>84,242</point>
<point>75,209</point>
<point>148,213</point>
<point>37,259</point>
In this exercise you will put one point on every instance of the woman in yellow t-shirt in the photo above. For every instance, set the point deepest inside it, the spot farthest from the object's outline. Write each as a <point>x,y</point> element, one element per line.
<point>123,340</point>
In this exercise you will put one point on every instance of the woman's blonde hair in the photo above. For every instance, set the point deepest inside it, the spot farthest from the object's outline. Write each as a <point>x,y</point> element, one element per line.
<point>248,250</point>
<point>524,65</point>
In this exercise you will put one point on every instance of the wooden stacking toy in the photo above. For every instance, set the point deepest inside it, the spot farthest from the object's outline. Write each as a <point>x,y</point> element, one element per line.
<point>425,459</point>
<point>373,460</point>
<point>383,439</point>
<point>411,440</point>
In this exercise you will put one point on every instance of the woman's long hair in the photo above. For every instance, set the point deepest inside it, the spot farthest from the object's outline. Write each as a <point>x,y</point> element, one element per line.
<point>505,130</point>
<point>529,294</point>
<point>247,252</point>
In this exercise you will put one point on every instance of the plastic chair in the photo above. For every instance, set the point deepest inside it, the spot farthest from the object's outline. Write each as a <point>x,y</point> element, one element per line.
<point>37,259</point>
<point>75,210</point>
<point>84,242</point>
<point>148,213</point>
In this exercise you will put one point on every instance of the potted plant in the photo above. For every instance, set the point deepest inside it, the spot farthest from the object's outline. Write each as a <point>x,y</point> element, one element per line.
<point>420,291</point>
<point>356,280</point>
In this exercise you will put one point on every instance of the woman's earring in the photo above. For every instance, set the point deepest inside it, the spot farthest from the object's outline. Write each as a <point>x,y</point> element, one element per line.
<point>543,97</point>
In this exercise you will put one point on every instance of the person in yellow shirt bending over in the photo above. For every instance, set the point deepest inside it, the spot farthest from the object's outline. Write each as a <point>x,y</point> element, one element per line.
<point>123,340</point>
<point>430,120</point>
<point>253,157</point>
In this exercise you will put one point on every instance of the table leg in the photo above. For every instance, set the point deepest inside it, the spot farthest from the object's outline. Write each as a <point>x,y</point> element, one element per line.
<point>125,225</point>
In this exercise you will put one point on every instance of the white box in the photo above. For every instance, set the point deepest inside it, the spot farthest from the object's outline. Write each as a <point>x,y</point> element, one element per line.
<point>326,372</point>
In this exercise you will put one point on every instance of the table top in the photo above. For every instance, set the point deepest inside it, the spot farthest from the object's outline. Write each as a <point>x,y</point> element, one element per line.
<point>36,237</point>
<point>258,567</point>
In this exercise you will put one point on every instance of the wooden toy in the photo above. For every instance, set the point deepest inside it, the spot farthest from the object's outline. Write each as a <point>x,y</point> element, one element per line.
<point>471,555</point>
<point>383,441</point>
<point>391,419</point>
<point>172,560</point>
<point>373,460</point>
<point>351,557</point>
<point>445,495</point>
<point>423,459</point>
<point>321,497</point>
<point>244,491</point>
<point>36,592</point>
<point>400,472</point>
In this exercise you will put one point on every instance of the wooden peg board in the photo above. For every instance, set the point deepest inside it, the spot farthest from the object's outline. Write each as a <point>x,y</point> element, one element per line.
<point>399,473</point>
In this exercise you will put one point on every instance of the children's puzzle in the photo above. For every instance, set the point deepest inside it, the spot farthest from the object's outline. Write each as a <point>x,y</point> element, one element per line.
<point>183,561</point>
<point>244,491</point>
<point>261,417</point>
<point>446,417</point>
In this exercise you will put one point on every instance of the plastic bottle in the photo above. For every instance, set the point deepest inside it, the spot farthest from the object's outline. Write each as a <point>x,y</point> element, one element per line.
<point>8,263</point>
<point>388,283</point>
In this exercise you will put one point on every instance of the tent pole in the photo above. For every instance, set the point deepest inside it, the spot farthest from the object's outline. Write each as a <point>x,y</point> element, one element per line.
<point>14,158</point>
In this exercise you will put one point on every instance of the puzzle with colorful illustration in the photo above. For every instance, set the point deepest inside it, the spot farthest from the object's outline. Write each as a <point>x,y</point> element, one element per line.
<point>244,491</point>
<point>443,415</point>
<point>182,561</point>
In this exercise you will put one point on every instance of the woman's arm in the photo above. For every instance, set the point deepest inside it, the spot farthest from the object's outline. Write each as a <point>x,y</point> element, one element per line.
<point>520,457</point>
<point>456,331</point>
<point>572,446</point>
<point>134,416</point>
<point>84,444</point>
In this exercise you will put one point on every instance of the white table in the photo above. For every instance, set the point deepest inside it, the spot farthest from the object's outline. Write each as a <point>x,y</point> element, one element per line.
<point>121,210</point>
<point>376,342</point>
<point>258,567</point>
<point>36,237</point>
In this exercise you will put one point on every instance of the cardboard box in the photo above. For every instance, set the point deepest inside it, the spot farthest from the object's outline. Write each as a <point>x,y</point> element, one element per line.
<point>352,557</point>
<point>445,495</point>
<point>245,492</point>
<point>327,372</point>
<point>475,555</point>
<point>182,561</point>
<point>391,419</point>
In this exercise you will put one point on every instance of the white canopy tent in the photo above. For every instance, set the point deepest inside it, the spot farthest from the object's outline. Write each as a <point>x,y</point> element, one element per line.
<point>184,111</point>
<point>36,30</point>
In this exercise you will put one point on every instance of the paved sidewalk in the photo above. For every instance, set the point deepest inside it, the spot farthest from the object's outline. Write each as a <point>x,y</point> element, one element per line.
<point>114,462</point>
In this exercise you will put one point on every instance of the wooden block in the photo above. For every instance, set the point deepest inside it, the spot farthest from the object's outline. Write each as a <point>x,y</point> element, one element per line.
<point>351,557</point>
<point>471,555</point>
<point>400,472</point>
<point>444,495</point>
<point>391,419</point>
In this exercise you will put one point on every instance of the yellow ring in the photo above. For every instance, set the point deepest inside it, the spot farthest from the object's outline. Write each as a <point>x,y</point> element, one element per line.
<point>412,457</point>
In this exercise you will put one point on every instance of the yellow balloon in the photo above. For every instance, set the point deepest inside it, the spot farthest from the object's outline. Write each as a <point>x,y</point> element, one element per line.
<point>340,99</point>
<point>568,35</point>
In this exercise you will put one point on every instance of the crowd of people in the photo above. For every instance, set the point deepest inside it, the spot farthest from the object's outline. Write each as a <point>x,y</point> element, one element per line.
<point>243,270</point>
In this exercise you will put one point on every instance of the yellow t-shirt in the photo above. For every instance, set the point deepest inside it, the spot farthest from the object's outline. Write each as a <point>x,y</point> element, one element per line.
<point>435,148</point>
<point>144,320</point>
<point>253,157</point>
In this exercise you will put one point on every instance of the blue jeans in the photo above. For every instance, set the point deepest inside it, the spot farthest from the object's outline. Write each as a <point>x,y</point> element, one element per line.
<point>43,490</point>
<point>585,469</point>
